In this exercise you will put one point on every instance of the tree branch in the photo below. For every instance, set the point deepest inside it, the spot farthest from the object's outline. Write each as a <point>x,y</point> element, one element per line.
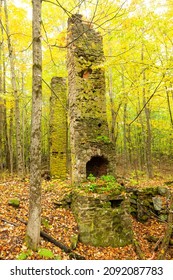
<point>55,94</point>
<point>151,96</point>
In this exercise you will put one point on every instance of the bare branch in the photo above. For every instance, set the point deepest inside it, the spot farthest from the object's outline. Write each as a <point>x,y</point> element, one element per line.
<point>151,96</point>
<point>47,41</point>
<point>54,94</point>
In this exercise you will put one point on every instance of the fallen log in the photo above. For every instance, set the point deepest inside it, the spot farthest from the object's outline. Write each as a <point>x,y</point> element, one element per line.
<point>154,239</point>
<point>63,247</point>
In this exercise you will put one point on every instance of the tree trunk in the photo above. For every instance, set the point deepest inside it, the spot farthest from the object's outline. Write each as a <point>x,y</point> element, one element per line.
<point>1,102</point>
<point>125,137</point>
<point>148,143</point>
<point>20,166</point>
<point>23,125</point>
<point>5,126</point>
<point>113,115</point>
<point>1,114</point>
<point>169,106</point>
<point>34,221</point>
<point>10,141</point>
<point>141,139</point>
<point>148,125</point>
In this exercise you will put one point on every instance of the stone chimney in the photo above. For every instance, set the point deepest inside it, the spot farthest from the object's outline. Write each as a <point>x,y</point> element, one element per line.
<point>58,128</point>
<point>91,149</point>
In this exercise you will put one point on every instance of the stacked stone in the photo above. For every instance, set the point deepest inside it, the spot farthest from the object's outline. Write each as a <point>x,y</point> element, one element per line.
<point>89,135</point>
<point>58,128</point>
<point>101,222</point>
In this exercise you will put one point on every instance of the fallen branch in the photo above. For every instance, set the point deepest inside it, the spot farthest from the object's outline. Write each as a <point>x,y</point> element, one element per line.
<point>8,222</point>
<point>57,243</point>
<point>156,247</point>
<point>138,250</point>
<point>155,239</point>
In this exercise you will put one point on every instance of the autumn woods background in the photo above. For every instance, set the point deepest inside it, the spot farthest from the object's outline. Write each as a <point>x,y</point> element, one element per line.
<point>138,48</point>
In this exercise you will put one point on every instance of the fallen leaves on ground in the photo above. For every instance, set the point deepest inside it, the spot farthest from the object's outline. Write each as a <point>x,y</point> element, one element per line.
<point>61,225</point>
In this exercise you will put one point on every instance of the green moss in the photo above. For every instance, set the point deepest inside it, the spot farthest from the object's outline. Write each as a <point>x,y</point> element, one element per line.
<point>163,217</point>
<point>100,222</point>
<point>45,253</point>
<point>149,190</point>
<point>15,202</point>
<point>58,131</point>
<point>133,196</point>
<point>91,178</point>
<point>74,239</point>
<point>24,255</point>
<point>133,210</point>
<point>104,184</point>
<point>108,178</point>
<point>107,204</point>
<point>103,138</point>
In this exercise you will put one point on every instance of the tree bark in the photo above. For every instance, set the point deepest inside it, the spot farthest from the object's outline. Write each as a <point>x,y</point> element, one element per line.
<point>5,125</point>
<point>10,141</point>
<point>141,138</point>
<point>169,107</point>
<point>148,143</point>
<point>125,158</point>
<point>148,125</point>
<point>34,221</point>
<point>113,115</point>
<point>1,101</point>
<point>20,164</point>
<point>1,110</point>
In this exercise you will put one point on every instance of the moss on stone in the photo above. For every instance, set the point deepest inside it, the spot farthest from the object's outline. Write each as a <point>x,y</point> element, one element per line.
<point>100,222</point>
<point>58,129</point>
<point>87,102</point>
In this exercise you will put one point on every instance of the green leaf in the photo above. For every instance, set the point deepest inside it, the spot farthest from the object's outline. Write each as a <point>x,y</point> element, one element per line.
<point>43,252</point>
<point>22,256</point>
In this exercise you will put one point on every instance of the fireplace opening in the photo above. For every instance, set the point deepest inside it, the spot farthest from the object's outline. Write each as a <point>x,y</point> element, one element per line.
<point>97,166</point>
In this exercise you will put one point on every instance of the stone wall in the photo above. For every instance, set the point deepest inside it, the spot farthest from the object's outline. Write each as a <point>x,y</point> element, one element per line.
<point>148,202</point>
<point>103,210</point>
<point>103,219</point>
<point>58,128</point>
<point>89,135</point>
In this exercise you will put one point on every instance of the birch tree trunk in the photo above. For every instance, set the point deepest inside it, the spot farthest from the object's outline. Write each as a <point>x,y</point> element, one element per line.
<point>33,228</point>
<point>20,164</point>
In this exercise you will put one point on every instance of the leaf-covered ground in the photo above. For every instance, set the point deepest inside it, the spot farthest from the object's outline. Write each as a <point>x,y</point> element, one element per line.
<point>60,224</point>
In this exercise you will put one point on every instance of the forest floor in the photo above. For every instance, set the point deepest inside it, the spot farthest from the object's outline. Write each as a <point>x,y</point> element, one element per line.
<point>60,224</point>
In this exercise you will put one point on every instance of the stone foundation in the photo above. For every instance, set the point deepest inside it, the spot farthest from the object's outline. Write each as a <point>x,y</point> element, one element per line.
<point>148,202</point>
<point>103,220</point>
